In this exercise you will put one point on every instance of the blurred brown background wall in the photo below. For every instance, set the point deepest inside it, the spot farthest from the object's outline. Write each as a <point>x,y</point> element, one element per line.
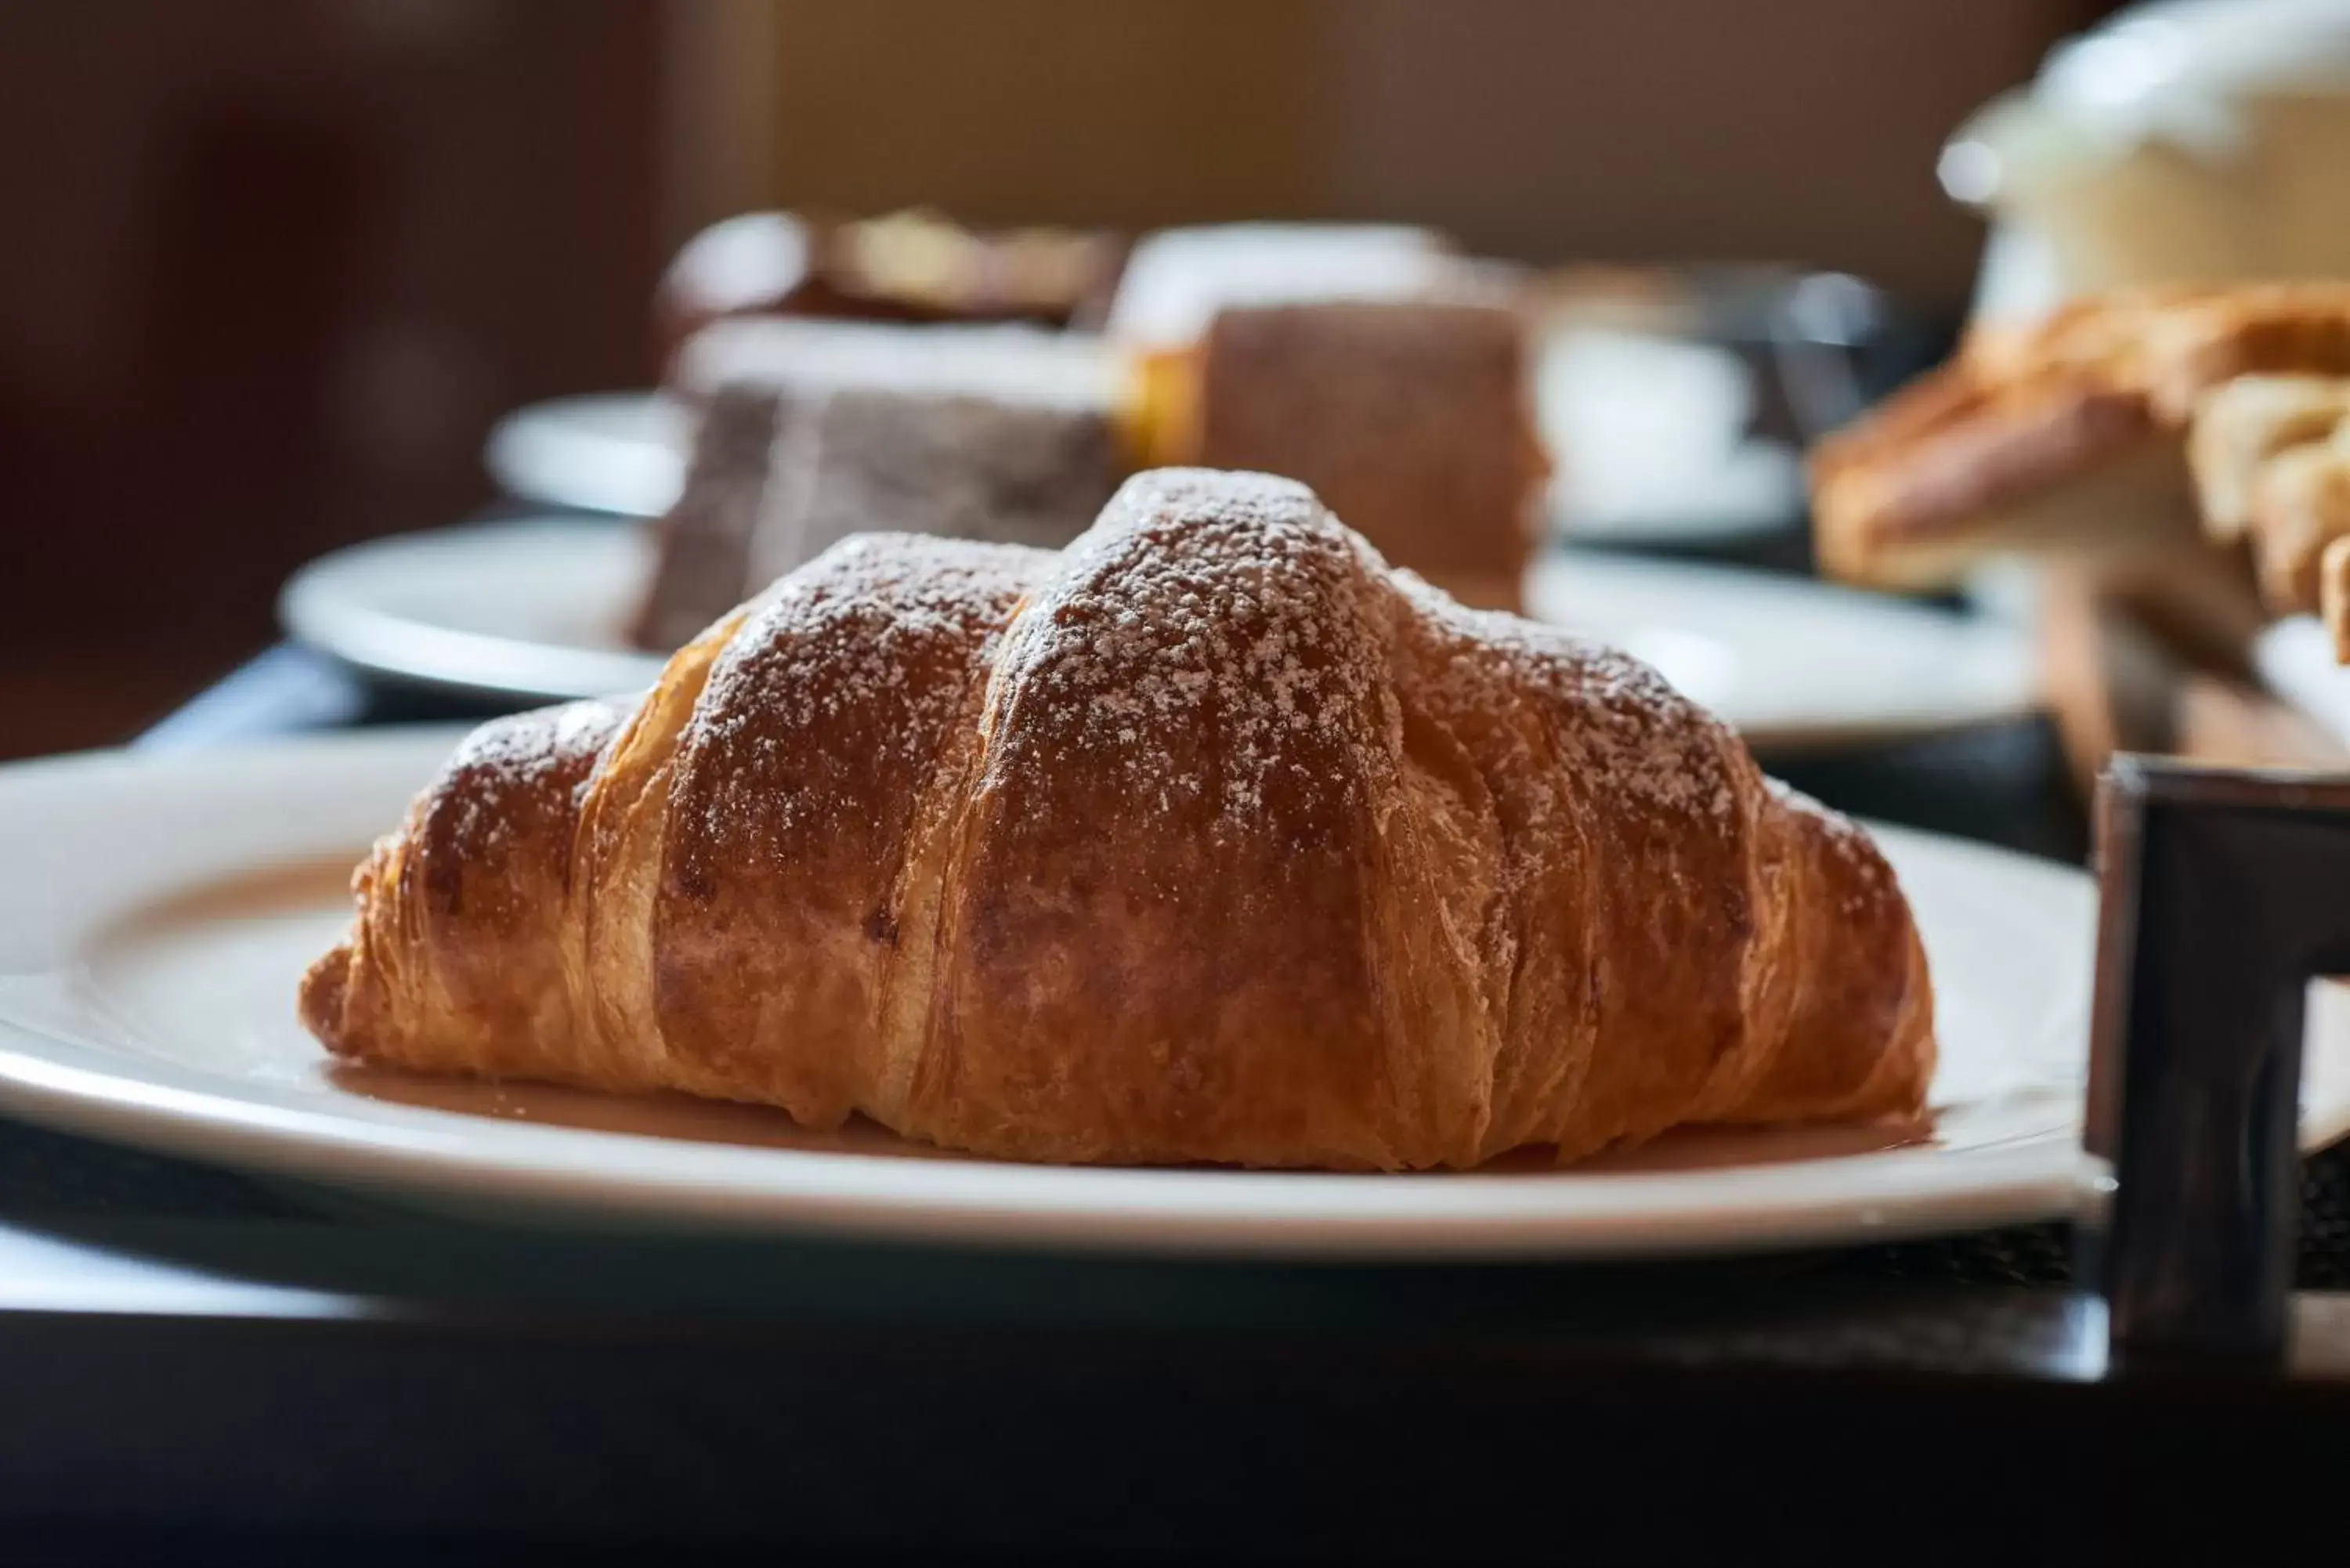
<point>274,266</point>
<point>1551,129</point>
<point>271,267</point>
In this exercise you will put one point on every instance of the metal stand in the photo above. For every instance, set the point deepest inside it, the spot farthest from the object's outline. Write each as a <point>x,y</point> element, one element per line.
<point>2224,893</point>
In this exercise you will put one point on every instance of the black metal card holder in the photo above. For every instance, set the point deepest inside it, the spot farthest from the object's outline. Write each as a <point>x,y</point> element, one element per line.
<point>2224,893</point>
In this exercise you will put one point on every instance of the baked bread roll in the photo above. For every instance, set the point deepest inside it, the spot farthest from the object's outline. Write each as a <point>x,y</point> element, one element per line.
<point>2242,426</point>
<point>1210,838</point>
<point>2066,437</point>
<point>2271,456</point>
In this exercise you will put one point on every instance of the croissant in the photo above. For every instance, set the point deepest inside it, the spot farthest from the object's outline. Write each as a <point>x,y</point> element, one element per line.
<point>2061,437</point>
<point>1210,838</point>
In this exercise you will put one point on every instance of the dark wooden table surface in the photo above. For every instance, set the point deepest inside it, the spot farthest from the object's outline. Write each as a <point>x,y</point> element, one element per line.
<point>197,1366</point>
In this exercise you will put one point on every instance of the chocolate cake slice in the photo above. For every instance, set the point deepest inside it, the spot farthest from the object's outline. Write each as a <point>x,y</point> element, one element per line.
<point>815,431</point>
<point>705,551</point>
<point>962,467</point>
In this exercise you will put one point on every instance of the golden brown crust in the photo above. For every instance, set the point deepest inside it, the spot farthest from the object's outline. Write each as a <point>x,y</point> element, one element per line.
<point>780,902</point>
<point>2263,329</point>
<point>1957,459</point>
<point>1986,454</point>
<point>461,911</point>
<point>1210,838</point>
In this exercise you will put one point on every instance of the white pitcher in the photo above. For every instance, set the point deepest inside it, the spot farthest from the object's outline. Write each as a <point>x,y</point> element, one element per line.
<point>2181,141</point>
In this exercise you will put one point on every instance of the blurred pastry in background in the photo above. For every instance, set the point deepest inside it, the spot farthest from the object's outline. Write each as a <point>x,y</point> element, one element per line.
<point>704,544</point>
<point>812,431</point>
<point>2271,457</point>
<point>2129,414</point>
<point>1412,416</point>
<point>911,265</point>
<point>2026,440</point>
<point>2065,437</point>
<point>2134,444</point>
<point>1412,421</point>
<point>2239,427</point>
<point>2272,460</point>
<point>1177,280</point>
<point>1374,362</point>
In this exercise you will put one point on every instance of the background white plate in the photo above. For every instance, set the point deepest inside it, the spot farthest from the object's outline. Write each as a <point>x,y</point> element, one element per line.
<point>158,910</point>
<point>2296,657</point>
<point>533,611</point>
<point>1793,664</point>
<point>1646,469</point>
<point>601,452</point>
<point>1649,434</point>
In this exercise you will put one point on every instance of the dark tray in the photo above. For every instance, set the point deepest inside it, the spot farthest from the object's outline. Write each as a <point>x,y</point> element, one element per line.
<point>195,1364</point>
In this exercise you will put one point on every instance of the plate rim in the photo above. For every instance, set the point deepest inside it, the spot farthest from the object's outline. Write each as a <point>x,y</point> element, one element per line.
<point>315,609</point>
<point>527,452</point>
<point>511,455</point>
<point>2006,1186</point>
<point>410,1153</point>
<point>2022,697</point>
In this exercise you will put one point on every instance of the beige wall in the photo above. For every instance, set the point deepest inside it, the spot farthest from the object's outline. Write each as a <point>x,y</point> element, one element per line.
<point>1622,130</point>
<point>1119,111</point>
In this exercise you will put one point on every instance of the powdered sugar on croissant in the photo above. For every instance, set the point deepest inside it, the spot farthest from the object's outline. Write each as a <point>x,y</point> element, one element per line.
<point>1209,838</point>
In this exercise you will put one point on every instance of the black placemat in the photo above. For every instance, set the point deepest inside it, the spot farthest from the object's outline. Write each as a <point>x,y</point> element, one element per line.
<point>2003,784</point>
<point>48,1174</point>
<point>2043,1254</point>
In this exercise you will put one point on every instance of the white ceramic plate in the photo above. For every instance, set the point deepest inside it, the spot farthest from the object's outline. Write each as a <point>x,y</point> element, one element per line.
<point>2296,657</point>
<point>156,911</point>
<point>1793,664</point>
<point>530,610</point>
<point>533,609</point>
<point>601,451</point>
<point>1650,469</point>
<point>1648,435</point>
